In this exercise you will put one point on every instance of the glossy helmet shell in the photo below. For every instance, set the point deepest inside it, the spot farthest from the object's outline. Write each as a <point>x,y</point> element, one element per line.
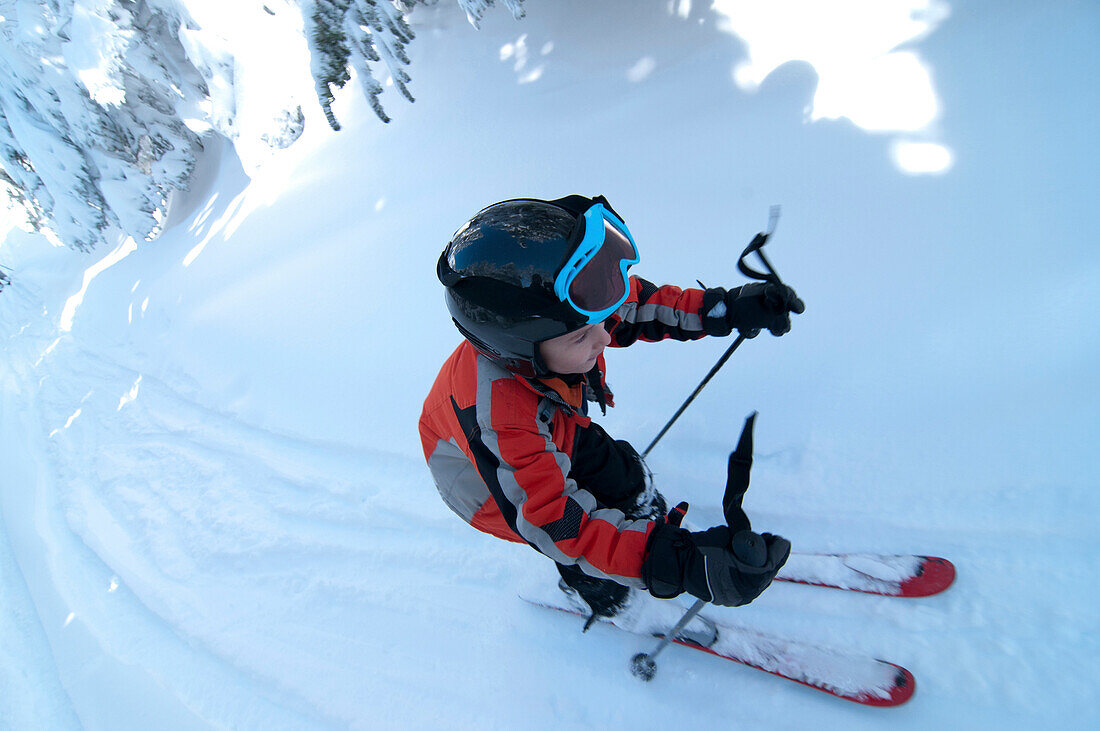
<point>499,271</point>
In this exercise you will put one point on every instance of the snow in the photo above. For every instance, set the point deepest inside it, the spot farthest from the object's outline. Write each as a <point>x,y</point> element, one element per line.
<point>256,62</point>
<point>855,49</point>
<point>883,574</point>
<point>214,510</point>
<point>94,57</point>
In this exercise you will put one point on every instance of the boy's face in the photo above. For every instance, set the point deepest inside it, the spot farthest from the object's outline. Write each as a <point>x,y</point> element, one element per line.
<point>575,352</point>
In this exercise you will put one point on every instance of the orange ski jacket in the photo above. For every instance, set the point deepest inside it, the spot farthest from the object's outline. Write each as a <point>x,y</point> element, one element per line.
<point>500,446</point>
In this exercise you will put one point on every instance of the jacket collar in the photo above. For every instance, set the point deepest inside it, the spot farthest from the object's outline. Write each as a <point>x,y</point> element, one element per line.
<point>572,392</point>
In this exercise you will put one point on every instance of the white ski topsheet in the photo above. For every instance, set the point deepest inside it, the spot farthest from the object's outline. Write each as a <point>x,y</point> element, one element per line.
<point>835,670</point>
<point>858,571</point>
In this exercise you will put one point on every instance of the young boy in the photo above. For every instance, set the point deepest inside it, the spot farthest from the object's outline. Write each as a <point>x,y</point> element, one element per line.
<point>539,289</point>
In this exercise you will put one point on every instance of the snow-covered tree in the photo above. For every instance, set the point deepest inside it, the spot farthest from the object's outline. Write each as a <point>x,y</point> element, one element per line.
<point>94,95</point>
<point>90,129</point>
<point>346,35</point>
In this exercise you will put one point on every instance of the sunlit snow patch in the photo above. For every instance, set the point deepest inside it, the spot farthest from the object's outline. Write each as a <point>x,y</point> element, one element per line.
<point>126,248</point>
<point>517,51</point>
<point>205,214</point>
<point>49,349</point>
<point>533,75</point>
<point>642,69</point>
<point>256,66</point>
<point>94,55</point>
<point>519,48</point>
<point>10,217</point>
<point>68,423</point>
<point>73,418</point>
<point>128,397</point>
<point>921,157</point>
<point>853,46</point>
<point>681,8</point>
<point>226,222</point>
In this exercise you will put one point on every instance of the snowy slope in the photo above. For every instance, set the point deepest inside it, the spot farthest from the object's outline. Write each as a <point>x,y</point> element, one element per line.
<point>214,511</point>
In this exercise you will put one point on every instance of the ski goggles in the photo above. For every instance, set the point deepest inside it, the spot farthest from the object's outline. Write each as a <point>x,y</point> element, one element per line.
<point>593,279</point>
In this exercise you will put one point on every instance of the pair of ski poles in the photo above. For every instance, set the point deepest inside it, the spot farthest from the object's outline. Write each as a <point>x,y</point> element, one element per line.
<point>644,665</point>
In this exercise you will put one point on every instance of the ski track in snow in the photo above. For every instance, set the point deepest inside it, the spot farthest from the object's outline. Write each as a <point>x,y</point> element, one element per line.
<point>205,553</point>
<point>203,550</point>
<point>212,554</point>
<point>173,527</point>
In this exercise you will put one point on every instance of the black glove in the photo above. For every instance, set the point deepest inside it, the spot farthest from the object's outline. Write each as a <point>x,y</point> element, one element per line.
<point>750,308</point>
<point>705,565</point>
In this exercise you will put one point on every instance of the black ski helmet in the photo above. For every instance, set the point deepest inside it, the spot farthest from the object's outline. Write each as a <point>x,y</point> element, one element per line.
<point>499,270</point>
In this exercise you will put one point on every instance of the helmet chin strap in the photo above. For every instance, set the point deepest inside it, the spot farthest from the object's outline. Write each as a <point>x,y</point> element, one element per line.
<point>541,369</point>
<point>594,382</point>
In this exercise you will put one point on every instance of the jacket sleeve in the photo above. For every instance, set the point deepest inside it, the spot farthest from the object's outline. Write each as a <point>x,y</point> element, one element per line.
<point>653,313</point>
<point>528,478</point>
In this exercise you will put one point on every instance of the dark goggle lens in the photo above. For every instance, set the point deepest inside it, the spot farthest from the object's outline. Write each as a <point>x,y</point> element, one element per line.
<point>601,283</point>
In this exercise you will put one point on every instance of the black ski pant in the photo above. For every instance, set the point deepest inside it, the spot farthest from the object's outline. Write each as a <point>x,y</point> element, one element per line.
<point>615,474</point>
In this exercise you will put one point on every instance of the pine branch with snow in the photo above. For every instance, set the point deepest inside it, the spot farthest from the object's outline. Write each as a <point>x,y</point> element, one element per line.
<point>354,34</point>
<point>329,50</point>
<point>475,9</point>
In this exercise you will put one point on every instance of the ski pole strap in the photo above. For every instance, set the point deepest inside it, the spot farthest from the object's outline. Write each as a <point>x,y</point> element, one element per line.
<point>757,246</point>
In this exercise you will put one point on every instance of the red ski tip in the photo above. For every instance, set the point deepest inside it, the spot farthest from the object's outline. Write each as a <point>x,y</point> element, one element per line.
<point>904,687</point>
<point>934,575</point>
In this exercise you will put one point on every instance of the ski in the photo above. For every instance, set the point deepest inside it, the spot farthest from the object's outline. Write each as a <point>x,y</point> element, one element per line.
<point>871,573</point>
<point>852,676</point>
